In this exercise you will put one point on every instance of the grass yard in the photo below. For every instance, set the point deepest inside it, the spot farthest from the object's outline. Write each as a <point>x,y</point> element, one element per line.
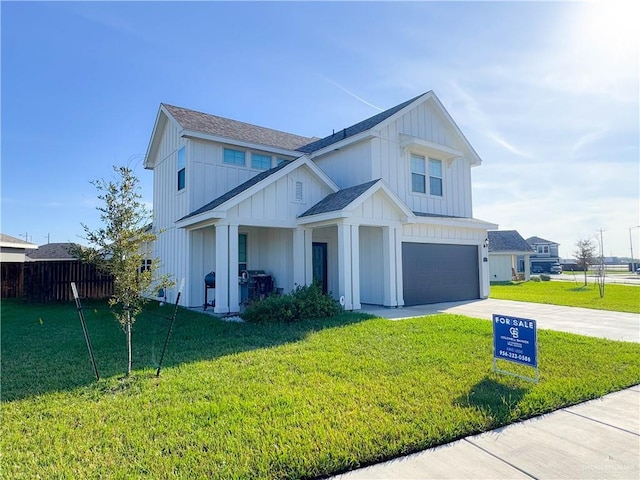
<point>268,401</point>
<point>618,298</point>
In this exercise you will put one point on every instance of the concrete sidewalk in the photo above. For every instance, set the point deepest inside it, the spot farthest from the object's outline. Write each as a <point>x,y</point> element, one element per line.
<point>593,440</point>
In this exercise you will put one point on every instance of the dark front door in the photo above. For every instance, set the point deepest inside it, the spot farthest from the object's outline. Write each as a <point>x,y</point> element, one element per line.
<point>319,264</point>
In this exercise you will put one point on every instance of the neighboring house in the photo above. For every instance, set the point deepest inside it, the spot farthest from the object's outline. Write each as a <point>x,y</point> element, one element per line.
<point>12,257</point>
<point>13,250</point>
<point>545,255</point>
<point>508,256</point>
<point>53,252</point>
<point>378,213</point>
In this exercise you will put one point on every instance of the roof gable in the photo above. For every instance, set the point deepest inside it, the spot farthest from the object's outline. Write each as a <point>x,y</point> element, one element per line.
<point>348,199</point>
<point>507,241</point>
<point>260,181</point>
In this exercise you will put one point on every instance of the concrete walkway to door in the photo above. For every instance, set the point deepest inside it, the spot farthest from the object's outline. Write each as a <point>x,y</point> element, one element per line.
<point>583,321</point>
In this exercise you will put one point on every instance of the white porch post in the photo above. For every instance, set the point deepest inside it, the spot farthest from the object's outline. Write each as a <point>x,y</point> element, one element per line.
<point>485,276</point>
<point>397,235</point>
<point>527,268</point>
<point>299,261</point>
<point>234,290</point>
<point>355,267</point>
<point>389,267</point>
<point>344,265</point>
<point>222,269</point>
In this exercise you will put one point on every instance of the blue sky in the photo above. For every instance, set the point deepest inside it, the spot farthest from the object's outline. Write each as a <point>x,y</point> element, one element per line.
<point>546,92</point>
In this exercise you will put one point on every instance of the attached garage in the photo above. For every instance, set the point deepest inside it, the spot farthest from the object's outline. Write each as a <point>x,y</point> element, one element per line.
<point>434,273</point>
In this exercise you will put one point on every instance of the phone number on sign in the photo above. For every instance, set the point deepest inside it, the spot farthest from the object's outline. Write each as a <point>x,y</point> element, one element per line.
<point>515,356</point>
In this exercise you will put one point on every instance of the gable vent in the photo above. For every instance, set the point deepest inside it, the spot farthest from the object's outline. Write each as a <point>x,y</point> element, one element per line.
<point>298,191</point>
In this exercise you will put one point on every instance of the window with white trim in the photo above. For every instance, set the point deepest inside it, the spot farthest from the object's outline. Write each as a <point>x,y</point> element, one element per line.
<point>233,157</point>
<point>435,177</point>
<point>261,162</point>
<point>418,174</point>
<point>182,163</point>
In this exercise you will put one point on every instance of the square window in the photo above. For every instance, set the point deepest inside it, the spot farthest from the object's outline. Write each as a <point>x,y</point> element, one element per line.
<point>262,162</point>
<point>234,157</point>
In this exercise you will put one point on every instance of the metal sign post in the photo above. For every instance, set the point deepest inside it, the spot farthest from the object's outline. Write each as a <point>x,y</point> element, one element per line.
<point>173,318</point>
<point>515,340</point>
<point>84,328</point>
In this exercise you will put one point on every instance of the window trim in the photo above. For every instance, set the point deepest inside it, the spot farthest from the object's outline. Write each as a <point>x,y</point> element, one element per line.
<point>441,177</point>
<point>264,156</point>
<point>426,175</point>
<point>224,156</point>
<point>182,168</point>
<point>416,156</point>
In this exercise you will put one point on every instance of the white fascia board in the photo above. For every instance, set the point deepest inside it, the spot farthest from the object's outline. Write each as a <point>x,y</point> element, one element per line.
<point>202,220</point>
<point>239,143</point>
<point>457,222</point>
<point>366,135</point>
<point>328,217</point>
<point>161,120</point>
<point>23,246</point>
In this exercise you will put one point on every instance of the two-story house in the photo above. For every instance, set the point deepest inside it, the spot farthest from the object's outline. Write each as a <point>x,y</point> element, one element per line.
<point>545,254</point>
<point>379,212</point>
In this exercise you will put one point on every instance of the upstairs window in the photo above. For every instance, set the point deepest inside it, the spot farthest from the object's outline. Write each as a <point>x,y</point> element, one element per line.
<point>418,174</point>
<point>182,162</point>
<point>435,177</point>
<point>234,157</point>
<point>260,162</point>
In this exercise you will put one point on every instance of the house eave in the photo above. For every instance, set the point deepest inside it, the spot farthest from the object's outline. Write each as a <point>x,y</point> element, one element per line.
<point>248,145</point>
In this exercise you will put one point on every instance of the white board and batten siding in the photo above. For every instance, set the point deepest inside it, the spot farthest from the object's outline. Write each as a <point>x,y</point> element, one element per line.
<point>169,204</point>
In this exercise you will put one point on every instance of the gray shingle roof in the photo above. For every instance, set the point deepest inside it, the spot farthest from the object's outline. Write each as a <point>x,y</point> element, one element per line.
<point>507,241</point>
<point>235,191</point>
<point>233,129</point>
<point>53,251</point>
<point>355,129</point>
<point>337,201</point>
<point>538,240</point>
<point>4,238</point>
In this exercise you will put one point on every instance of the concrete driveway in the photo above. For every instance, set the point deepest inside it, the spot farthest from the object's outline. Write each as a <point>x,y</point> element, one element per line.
<point>583,321</point>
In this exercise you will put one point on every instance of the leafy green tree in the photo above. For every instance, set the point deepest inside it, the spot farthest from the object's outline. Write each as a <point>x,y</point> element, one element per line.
<point>120,248</point>
<point>585,255</point>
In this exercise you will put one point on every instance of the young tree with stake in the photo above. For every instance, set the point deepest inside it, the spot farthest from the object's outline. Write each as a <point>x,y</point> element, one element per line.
<point>118,248</point>
<point>585,254</point>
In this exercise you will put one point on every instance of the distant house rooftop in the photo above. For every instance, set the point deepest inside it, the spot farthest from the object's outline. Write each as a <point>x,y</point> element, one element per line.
<point>503,241</point>
<point>540,241</point>
<point>53,252</point>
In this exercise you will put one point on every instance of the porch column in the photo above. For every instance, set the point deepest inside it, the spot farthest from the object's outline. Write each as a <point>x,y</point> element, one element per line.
<point>308,256</point>
<point>299,261</point>
<point>527,268</point>
<point>485,276</point>
<point>355,267</point>
<point>389,270</point>
<point>222,269</point>
<point>397,235</point>
<point>344,265</point>
<point>234,289</point>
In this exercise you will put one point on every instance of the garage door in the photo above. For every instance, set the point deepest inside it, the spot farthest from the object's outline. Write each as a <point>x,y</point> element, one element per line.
<point>434,273</point>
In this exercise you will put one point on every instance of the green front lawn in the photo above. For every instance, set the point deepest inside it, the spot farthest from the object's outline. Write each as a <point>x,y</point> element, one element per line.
<point>268,400</point>
<point>618,298</point>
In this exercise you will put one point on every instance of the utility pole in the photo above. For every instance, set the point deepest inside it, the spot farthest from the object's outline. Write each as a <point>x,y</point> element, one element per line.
<point>633,263</point>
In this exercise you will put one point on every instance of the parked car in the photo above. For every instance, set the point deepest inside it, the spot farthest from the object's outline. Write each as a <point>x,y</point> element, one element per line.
<point>537,269</point>
<point>556,268</point>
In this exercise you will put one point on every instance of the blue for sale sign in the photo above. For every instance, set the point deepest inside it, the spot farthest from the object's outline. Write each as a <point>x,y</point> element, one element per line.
<point>515,340</point>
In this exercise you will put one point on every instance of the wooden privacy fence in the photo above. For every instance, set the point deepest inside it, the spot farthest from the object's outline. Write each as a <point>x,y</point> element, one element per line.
<point>51,281</point>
